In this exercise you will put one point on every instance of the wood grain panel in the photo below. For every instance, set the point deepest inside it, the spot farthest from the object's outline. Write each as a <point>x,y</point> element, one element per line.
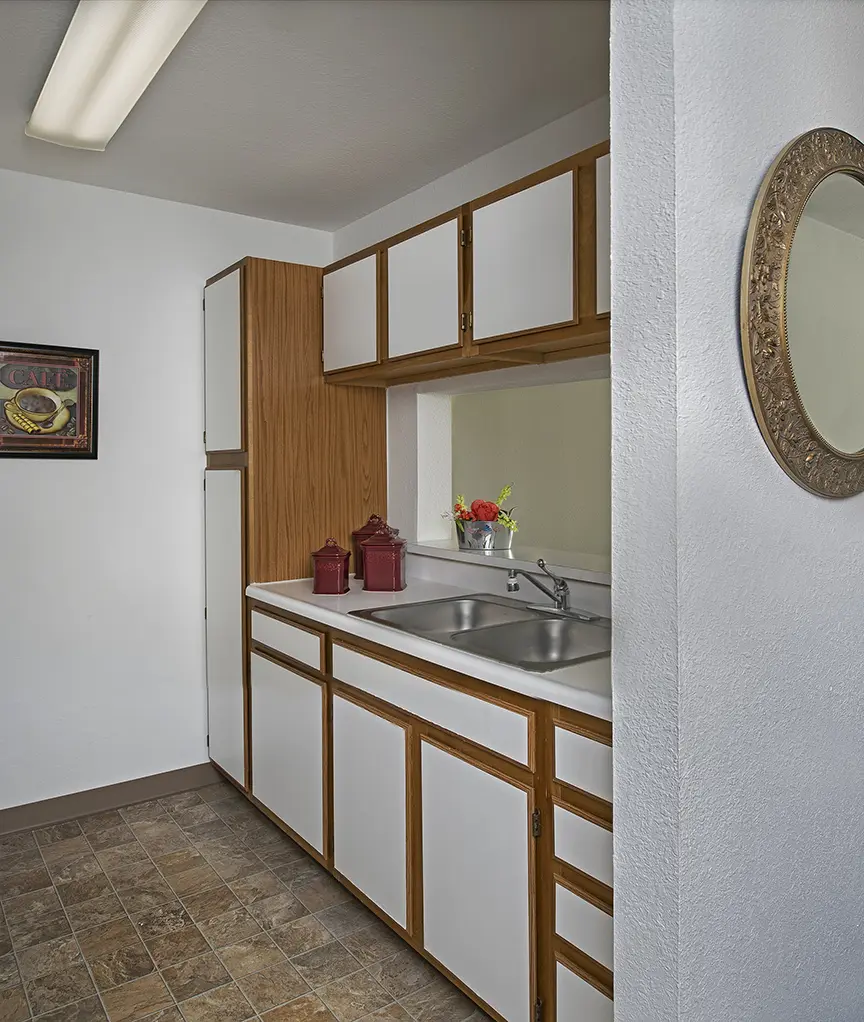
<point>317,454</point>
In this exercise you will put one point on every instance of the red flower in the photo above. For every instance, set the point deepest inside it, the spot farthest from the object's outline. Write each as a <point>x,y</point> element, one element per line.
<point>485,510</point>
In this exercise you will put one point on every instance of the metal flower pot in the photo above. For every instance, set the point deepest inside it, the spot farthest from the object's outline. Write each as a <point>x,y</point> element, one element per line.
<point>487,536</point>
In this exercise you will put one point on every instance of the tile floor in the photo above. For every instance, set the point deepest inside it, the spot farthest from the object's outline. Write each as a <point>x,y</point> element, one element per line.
<point>195,907</point>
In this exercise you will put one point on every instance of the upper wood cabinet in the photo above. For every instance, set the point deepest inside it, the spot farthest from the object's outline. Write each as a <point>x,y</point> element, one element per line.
<point>423,300</point>
<point>351,314</point>
<point>523,258</point>
<point>223,364</point>
<point>520,275</point>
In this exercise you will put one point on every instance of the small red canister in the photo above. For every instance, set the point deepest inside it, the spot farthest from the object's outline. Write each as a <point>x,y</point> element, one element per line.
<point>384,561</point>
<point>358,535</point>
<point>330,570</point>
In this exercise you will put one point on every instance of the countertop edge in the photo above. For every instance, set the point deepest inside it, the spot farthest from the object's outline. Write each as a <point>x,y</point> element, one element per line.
<point>538,686</point>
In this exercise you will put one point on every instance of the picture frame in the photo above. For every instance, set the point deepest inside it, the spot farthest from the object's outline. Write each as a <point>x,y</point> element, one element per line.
<point>49,401</point>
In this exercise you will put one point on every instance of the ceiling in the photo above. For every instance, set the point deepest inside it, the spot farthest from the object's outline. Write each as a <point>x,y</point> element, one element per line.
<point>317,112</point>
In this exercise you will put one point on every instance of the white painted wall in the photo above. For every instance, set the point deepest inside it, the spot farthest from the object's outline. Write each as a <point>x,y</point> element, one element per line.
<point>555,141</point>
<point>739,714</point>
<point>102,594</point>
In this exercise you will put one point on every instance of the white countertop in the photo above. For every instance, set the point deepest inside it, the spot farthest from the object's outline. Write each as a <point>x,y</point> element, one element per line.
<point>586,687</point>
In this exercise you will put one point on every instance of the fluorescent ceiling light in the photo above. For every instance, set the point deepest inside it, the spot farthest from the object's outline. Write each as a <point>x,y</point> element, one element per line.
<point>109,55</point>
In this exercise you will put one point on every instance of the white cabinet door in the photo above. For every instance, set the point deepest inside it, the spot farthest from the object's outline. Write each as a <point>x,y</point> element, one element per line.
<point>223,520</point>
<point>423,291</point>
<point>578,1001</point>
<point>351,315</point>
<point>476,919</point>
<point>523,259</point>
<point>222,364</point>
<point>369,807</point>
<point>604,235</point>
<point>288,747</point>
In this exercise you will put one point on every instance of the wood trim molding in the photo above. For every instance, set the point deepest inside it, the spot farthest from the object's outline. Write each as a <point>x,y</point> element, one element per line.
<point>583,803</point>
<point>110,796</point>
<point>584,966</point>
<point>584,724</point>
<point>227,271</point>
<point>226,459</point>
<point>584,885</point>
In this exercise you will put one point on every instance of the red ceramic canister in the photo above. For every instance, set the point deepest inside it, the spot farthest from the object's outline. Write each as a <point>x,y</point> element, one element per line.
<point>375,523</point>
<point>330,570</point>
<point>384,561</point>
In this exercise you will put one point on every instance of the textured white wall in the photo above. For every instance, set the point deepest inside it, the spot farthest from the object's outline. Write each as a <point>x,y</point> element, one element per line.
<point>748,635</point>
<point>101,631</point>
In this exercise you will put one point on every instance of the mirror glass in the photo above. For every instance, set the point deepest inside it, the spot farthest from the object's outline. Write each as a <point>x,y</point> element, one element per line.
<point>825,310</point>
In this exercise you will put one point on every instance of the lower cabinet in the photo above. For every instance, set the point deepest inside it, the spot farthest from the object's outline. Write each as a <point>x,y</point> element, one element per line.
<point>369,805</point>
<point>288,747</point>
<point>576,999</point>
<point>476,868</point>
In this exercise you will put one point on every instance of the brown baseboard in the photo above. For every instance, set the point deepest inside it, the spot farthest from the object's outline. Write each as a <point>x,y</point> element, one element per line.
<point>98,800</point>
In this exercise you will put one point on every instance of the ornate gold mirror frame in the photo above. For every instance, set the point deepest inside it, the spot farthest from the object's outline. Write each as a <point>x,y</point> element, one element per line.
<point>794,441</point>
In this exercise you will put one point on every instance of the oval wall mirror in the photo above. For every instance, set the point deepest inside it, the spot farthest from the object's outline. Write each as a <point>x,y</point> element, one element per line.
<point>802,311</point>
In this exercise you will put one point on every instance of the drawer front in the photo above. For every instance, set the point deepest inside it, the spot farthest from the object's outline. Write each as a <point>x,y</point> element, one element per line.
<point>578,1001</point>
<point>584,845</point>
<point>584,925</point>
<point>306,647</point>
<point>584,763</point>
<point>492,726</point>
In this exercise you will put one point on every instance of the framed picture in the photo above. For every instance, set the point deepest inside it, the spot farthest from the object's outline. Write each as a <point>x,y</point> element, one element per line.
<point>48,401</point>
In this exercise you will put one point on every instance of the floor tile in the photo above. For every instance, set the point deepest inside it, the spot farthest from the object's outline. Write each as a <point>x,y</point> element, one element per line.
<point>29,931</point>
<point>251,955</point>
<point>179,862</point>
<point>273,986</point>
<point>137,999</point>
<point>325,964</point>
<point>154,922</point>
<point>354,996</point>
<point>194,881</point>
<point>35,906</point>
<point>100,822</point>
<point>346,918</point>
<point>194,817</point>
<point>84,890</point>
<point>235,867</point>
<point>403,974</point>
<point>438,1002</point>
<point>14,844</point>
<point>80,868</point>
<point>63,851</point>
<point>13,1005</point>
<point>14,884</point>
<point>211,903</point>
<point>309,1008</point>
<point>392,1012</point>
<point>195,976</point>
<point>5,937</point>
<point>320,893</point>
<point>183,800</point>
<point>95,912</point>
<point>216,792</point>
<point>99,940</point>
<point>133,874</point>
<point>52,956</point>
<point>160,838</point>
<point>147,895</point>
<point>114,859</point>
<point>177,947</point>
<point>225,1004</point>
<point>277,910</point>
<point>111,837</point>
<point>302,935</point>
<point>57,989</point>
<point>9,976</point>
<point>59,832</point>
<point>88,1010</point>
<point>300,871</point>
<point>257,887</point>
<point>20,862</point>
<point>166,1015</point>
<point>121,966</point>
<point>373,943</point>
<point>229,927</point>
<point>143,811</point>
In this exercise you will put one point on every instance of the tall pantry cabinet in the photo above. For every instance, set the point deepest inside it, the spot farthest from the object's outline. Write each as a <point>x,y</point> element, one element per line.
<point>290,461</point>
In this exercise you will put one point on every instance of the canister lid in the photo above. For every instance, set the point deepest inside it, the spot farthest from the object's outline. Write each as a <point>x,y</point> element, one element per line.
<point>330,549</point>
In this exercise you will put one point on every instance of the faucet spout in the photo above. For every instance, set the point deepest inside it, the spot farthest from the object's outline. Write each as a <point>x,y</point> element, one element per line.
<point>560,596</point>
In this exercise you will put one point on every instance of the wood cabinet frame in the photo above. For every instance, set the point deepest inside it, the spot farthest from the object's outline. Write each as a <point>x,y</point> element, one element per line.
<point>537,779</point>
<point>586,333</point>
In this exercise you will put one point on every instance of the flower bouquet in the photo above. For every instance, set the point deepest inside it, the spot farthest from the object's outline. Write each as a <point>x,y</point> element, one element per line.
<point>485,525</point>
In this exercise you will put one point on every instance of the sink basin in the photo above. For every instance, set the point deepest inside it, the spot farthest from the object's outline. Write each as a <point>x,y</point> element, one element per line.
<point>500,629</point>
<point>542,644</point>
<point>447,617</point>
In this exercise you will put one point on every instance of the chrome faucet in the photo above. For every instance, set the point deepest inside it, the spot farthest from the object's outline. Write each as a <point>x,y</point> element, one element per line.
<point>561,594</point>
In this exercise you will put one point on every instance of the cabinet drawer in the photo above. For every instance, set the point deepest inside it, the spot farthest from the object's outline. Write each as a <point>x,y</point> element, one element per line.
<point>584,763</point>
<point>584,845</point>
<point>577,999</point>
<point>584,925</point>
<point>504,731</point>
<point>301,644</point>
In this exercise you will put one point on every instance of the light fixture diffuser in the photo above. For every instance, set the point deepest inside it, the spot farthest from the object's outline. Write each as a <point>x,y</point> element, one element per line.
<point>109,55</point>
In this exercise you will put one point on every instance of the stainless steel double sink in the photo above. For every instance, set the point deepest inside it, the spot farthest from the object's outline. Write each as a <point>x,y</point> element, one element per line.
<point>505,630</point>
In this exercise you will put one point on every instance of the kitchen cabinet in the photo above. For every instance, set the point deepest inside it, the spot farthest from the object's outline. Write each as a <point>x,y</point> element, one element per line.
<point>288,747</point>
<point>477,866</point>
<point>579,1000</point>
<point>370,826</point>
<point>603,233</point>
<point>523,259</point>
<point>223,363</point>
<point>350,297</point>
<point>423,301</point>
<point>224,585</point>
